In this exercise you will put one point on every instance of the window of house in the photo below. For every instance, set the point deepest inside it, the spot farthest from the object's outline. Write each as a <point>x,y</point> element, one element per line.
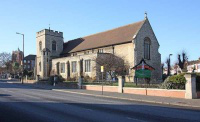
<point>28,66</point>
<point>147,44</point>
<point>28,61</point>
<point>198,66</point>
<point>33,63</point>
<point>74,54</point>
<point>24,61</point>
<point>92,50</point>
<point>40,46</point>
<point>53,45</point>
<point>73,66</point>
<point>87,65</point>
<point>62,67</point>
<point>100,50</point>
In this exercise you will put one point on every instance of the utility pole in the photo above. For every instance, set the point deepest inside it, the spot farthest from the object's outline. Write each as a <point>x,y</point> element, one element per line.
<point>22,57</point>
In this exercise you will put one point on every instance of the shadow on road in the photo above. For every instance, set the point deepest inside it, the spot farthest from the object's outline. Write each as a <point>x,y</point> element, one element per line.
<point>86,112</point>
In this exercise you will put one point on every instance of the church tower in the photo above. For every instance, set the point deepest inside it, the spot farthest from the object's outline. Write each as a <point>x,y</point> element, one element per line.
<point>49,44</point>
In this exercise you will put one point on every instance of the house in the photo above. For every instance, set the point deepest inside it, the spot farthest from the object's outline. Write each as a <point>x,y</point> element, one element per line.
<point>29,62</point>
<point>193,66</point>
<point>74,58</point>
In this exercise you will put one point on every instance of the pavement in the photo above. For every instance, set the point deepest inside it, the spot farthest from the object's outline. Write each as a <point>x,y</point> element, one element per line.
<point>45,103</point>
<point>194,103</point>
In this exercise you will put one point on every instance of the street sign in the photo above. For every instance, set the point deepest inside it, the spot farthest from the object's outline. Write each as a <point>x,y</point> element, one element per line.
<point>102,69</point>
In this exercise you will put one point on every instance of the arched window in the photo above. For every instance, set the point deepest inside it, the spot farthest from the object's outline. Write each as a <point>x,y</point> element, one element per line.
<point>147,45</point>
<point>40,46</point>
<point>54,45</point>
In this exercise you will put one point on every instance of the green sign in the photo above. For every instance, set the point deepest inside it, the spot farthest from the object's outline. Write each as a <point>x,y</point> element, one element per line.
<point>143,73</point>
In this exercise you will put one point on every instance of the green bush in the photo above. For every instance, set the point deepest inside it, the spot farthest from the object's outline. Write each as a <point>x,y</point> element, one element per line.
<point>178,79</point>
<point>174,82</point>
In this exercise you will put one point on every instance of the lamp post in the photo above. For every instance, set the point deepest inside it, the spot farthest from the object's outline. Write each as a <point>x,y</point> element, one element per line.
<point>168,71</point>
<point>22,57</point>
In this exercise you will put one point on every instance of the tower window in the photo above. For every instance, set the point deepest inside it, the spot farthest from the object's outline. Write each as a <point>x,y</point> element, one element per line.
<point>54,45</point>
<point>40,45</point>
<point>147,43</point>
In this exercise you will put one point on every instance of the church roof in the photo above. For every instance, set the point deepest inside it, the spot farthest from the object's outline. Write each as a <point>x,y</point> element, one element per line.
<point>115,36</point>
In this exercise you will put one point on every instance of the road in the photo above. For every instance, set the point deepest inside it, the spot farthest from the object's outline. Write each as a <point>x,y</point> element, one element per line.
<point>28,104</point>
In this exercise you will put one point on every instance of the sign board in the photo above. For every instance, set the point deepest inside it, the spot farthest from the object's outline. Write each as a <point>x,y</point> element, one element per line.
<point>143,70</point>
<point>102,68</point>
<point>143,73</point>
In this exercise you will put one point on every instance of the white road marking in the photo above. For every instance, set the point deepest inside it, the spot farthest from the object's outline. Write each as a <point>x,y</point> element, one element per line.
<point>138,120</point>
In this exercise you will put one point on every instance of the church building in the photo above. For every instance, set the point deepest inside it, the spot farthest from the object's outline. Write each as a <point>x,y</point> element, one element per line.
<point>74,58</point>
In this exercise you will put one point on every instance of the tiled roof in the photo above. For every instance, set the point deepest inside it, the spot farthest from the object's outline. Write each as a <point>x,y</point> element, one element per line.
<point>115,36</point>
<point>30,57</point>
<point>193,62</point>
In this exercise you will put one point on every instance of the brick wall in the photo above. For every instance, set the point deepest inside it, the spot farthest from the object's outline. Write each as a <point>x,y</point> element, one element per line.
<point>99,88</point>
<point>139,91</point>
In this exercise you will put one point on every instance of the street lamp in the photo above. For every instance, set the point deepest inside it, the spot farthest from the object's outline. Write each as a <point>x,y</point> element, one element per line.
<point>22,57</point>
<point>168,72</point>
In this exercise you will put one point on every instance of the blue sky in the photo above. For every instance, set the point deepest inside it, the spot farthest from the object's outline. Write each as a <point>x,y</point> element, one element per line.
<point>176,23</point>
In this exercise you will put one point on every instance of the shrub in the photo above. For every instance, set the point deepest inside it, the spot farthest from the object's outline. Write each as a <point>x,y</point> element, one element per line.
<point>71,79</point>
<point>87,79</point>
<point>178,79</point>
<point>59,79</point>
<point>174,82</point>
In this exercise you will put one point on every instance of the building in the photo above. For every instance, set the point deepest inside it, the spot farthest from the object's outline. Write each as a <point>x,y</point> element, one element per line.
<point>193,66</point>
<point>17,56</point>
<point>74,58</point>
<point>29,62</point>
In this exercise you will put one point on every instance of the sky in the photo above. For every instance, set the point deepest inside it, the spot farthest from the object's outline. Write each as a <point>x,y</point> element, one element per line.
<point>176,23</point>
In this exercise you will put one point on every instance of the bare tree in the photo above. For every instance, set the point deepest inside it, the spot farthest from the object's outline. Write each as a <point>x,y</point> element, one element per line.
<point>112,64</point>
<point>182,58</point>
<point>4,59</point>
<point>5,62</point>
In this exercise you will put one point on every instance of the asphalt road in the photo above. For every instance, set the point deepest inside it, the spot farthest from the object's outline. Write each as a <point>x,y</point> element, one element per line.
<point>20,103</point>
